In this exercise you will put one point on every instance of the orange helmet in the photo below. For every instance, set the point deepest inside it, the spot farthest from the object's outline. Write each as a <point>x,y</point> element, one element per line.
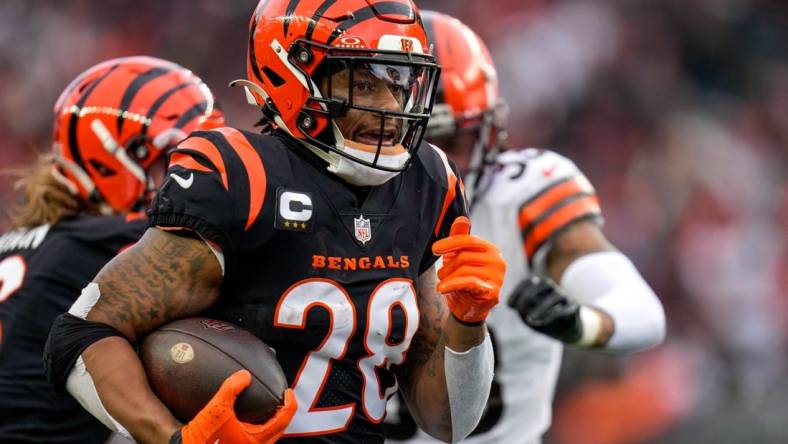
<point>467,98</point>
<point>294,44</point>
<point>115,120</point>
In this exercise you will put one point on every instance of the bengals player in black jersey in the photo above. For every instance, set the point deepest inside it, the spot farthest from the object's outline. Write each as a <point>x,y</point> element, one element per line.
<point>112,125</point>
<point>320,236</point>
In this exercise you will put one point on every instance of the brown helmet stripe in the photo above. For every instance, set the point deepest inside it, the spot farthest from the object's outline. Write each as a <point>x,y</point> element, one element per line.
<point>134,87</point>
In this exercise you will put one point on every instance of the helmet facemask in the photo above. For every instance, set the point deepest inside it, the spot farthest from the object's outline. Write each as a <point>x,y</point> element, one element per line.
<point>378,103</point>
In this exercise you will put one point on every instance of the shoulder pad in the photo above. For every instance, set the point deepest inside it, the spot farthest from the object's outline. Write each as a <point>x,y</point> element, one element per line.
<point>438,165</point>
<point>520,175</point>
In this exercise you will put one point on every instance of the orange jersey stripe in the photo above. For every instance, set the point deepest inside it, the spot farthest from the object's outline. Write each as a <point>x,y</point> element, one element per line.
<point>209,150</point>
<point>542,202</point>
<point>587,205</point>
<point>451,193</point>
<point>254,170</point>
<point>187,161</point>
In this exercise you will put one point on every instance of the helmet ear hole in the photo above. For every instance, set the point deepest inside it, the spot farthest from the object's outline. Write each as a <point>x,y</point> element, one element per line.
<point>103,170</point>
<point>275,79</point>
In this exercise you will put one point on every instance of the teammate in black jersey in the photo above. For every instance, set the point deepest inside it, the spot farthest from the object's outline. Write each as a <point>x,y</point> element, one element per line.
<point>320,236</point>
<point>110,133</point>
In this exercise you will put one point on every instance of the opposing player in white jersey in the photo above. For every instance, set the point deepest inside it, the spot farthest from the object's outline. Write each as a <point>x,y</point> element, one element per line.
<point>565,283</point>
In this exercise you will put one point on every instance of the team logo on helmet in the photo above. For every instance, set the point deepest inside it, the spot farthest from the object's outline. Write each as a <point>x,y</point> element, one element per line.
<point>363,229</point>
<point>407,45</point>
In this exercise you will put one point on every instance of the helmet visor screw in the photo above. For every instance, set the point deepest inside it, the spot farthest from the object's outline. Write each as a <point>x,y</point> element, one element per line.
<point>304,56</point>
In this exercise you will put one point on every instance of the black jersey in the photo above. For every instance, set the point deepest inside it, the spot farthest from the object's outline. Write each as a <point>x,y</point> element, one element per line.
<point>323,272</point>
<point>42,271</point>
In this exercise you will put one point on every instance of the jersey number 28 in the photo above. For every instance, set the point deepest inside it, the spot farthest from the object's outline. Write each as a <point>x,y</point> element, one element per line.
<point>291,312</point>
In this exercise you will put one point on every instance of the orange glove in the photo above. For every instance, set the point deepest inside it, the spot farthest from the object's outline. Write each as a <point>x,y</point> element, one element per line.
<point>472,272</point>
<point>216,422</point>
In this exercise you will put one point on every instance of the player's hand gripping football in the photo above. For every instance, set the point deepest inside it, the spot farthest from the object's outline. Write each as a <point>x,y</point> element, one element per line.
<point>472,272</point>
<point>217,422</point>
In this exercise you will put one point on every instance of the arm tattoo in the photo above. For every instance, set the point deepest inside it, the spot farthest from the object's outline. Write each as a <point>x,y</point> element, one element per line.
<point>161,278</point>
<point>422,379</point>
<point>429,337</point>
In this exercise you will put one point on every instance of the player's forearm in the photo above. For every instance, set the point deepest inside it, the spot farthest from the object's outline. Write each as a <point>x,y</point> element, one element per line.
<point>424,390</point>
<point>599,324</point>
<point>462,337</point>
<point>619,312</point>
<point>124,391</point>
<point>427,391</point>
<point>422,380</point>
<point>162,278</point>
<point>620,306</point>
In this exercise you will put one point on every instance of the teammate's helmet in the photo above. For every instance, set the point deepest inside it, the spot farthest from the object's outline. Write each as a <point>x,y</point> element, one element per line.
<point>467,99</point>
<point>115,120</point>
<point>294,45</point>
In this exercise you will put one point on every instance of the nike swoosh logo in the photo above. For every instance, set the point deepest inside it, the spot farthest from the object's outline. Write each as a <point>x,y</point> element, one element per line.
<point>184,183</point>
<point>547,172</point>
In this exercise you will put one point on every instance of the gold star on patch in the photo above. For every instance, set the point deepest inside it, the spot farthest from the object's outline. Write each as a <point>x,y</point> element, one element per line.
<point>287,224</point>
<point>303,226</point>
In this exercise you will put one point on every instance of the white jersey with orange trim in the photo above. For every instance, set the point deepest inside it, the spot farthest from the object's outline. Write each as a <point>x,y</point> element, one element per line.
<point>520,204</point>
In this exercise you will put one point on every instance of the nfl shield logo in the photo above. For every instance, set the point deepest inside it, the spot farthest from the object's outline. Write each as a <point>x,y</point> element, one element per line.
<point>363,229</point>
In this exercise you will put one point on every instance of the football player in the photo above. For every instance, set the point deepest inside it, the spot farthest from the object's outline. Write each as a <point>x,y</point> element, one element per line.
<point>112,126</point>
<point>320,236</point>
<point>565,283</point>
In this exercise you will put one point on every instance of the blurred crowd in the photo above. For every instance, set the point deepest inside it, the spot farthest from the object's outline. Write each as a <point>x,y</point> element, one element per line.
<point>676,110</point>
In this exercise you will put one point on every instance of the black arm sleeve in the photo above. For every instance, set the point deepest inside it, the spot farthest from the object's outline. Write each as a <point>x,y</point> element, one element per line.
<point>68,338</point>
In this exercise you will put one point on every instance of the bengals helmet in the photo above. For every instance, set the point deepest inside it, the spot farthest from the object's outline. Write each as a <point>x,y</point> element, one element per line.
<point>294,44</point>
<point>114,122</point>
<point>468,105</point>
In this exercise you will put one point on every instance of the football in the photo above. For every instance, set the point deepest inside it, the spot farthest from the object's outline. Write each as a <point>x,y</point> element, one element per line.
<point>187,360</point>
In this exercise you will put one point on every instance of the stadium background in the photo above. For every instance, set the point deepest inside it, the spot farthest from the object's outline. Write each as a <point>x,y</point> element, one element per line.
<point>677,111</point>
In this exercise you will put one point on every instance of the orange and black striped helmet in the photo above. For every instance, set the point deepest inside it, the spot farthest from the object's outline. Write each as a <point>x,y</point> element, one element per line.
<point>467,99</point>
<point>292,43</point>
<point>115,120</point>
